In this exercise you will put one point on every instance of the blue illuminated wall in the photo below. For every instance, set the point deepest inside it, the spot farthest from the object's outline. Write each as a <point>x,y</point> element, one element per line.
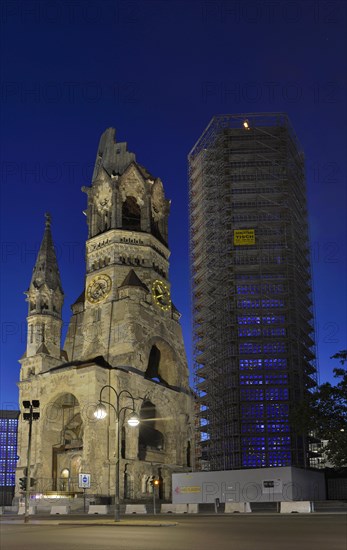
<point>8,455</point>
<point>265,427</point>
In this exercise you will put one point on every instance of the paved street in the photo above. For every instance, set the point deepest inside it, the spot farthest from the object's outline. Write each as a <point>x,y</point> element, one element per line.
<point>263,532</point>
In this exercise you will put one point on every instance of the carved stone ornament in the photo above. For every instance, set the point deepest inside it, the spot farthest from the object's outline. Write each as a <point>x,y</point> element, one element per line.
<point>132,186</point>
<point>158,200</point>
<point>103,197</point>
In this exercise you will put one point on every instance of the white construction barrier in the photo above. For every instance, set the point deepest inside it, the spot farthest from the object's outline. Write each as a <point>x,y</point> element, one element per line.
<point>62,510</point>
<point>98,509</point>
<point>135,509</point>
<point>174,508</point>
<point>300,507</point>
<point>193,508</point>
<point>241,507</point>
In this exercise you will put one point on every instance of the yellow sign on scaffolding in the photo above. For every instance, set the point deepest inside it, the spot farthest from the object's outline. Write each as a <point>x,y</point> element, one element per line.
<point>190,489</point>
<point>244,237</point>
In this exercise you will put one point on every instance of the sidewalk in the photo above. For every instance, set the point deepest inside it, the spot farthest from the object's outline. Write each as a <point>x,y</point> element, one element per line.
<point>160,519</point>
<point>151,521</point>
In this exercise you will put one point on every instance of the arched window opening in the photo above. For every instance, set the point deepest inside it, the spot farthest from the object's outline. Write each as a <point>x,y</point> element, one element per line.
<point>128,484</point>
<point>99,224</point>
<point>148,413</point>
<point>152,372</point>
<point>122,448</point>
<point>64,479</point>
<point>188,455</point>
<point>131,214</point>
<point>64,438</point>
<point>162,363</point>
<point>161,485</point>
<point>150,439</point>
<point>76,466</point>
<point>106,222</point>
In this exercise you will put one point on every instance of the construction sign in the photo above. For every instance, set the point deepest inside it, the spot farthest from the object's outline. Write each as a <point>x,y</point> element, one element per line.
<point>244,237</point>
<point>185,489</point>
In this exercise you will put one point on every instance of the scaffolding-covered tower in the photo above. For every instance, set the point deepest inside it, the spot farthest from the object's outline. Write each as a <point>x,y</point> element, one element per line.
<point>254,354</point>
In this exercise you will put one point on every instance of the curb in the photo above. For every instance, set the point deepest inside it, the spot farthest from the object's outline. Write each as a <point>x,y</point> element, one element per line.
<point>91,523</point>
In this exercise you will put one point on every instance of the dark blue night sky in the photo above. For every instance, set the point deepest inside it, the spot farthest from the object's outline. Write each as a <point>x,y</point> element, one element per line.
<point>158,71</point>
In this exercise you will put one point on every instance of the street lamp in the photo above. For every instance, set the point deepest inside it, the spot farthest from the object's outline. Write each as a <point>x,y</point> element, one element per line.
<point>29,416</point>
<point>133,421</point>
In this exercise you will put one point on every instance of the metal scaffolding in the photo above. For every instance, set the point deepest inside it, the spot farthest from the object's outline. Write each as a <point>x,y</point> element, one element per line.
<point>254,352</point>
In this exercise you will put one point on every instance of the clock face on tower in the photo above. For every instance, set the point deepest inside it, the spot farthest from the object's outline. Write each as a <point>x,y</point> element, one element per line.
<point>161,295</point>
<point>98,289</point>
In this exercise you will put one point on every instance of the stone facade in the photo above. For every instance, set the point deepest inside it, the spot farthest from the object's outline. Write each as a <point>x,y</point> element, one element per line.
<point>124,336</point>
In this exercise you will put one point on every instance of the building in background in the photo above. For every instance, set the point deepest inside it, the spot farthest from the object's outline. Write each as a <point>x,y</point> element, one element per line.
<point>254,351</point>
<point>8,455</point>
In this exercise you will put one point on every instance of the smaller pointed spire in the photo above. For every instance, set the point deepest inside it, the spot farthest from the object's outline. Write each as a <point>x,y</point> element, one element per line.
<point>46,270</point>
<point>48,219</point>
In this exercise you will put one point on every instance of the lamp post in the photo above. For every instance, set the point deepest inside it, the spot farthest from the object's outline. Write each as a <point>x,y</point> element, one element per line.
<point>155,483</point>
<point>133,421</point>
<point>29,416</point>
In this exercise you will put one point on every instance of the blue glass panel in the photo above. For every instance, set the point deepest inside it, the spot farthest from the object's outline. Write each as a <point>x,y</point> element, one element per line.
<point>274,347</point>
<point>251,379</point>
<point>250,347</point>
<point>278,427</point>
<point>275,379</point>
<point>252,394</point>
<point>277,410</point>
<point>275,363</point>
<point>252,410</point>
<point>250,332</point>
<point>250,364</point>
<point>276,394</point>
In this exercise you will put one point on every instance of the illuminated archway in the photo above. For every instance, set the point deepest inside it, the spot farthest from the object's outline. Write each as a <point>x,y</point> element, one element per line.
<point>63,441</point>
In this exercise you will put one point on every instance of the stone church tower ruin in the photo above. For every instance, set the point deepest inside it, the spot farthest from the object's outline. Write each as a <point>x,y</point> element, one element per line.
<point>124,332</point>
